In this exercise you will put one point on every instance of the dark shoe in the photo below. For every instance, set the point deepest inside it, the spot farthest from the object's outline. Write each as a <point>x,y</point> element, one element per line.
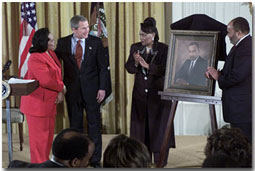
<point>95,165</point>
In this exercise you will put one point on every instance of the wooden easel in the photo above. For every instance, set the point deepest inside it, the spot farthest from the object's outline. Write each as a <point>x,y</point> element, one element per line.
<point>211,100</point>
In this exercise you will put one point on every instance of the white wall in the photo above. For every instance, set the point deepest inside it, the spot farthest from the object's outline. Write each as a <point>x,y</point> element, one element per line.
<point>193,118</point>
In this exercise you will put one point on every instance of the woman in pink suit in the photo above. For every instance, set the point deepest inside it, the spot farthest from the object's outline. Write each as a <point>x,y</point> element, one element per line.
<point>40,106</point>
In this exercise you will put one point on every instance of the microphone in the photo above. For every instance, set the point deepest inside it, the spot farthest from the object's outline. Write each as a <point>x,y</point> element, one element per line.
<point>6,66</point>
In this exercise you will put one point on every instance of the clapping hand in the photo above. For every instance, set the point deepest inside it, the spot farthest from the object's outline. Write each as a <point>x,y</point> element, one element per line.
<point>143,63</point>
<point>136,57</point>
<point>140,60</point>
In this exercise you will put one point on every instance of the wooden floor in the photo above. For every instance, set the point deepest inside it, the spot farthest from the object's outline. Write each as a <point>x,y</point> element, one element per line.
<point>189,151</point>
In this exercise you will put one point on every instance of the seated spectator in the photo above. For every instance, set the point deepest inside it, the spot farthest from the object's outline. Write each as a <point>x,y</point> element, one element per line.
<point>231,142</point>
<point>71,148</point>
<point>126,152</point>
<point>219,161</point>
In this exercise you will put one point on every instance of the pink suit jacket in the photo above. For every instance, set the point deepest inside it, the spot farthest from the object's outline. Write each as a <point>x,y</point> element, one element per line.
<point>47,71</point>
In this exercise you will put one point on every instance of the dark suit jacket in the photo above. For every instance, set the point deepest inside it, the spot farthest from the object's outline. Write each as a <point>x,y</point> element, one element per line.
<point>236,83</point>
<point>202,22</point>
<point>92,75</point>
<point>22,164</point>
<point>197,75</point>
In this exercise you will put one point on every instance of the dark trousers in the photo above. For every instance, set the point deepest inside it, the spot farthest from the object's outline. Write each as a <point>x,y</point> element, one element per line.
<point>93,116</point>
<point>246,128</point>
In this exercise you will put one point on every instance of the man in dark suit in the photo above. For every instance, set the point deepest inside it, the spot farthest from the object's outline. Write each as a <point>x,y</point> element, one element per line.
<point>71,149</point>
<point>85,70</point>
<point>193,69</point>
<point>235,79</point>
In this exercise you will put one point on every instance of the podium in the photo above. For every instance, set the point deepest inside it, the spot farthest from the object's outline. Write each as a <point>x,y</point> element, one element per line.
<point>18,89</point>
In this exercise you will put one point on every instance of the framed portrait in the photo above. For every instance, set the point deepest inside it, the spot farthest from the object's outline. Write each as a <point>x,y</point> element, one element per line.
<point>189,55</point>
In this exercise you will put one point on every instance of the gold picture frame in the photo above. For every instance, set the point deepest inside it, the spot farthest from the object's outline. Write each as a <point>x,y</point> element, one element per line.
<point>179,77</point>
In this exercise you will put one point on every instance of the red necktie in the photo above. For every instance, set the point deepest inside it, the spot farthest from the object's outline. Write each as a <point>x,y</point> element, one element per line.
<point>78,53</point>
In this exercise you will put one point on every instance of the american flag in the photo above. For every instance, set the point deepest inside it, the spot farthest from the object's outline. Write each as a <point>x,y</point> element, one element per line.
<point>28,26</point>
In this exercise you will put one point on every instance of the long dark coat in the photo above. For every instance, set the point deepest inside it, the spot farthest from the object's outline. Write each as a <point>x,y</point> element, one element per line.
<point>145,98</point>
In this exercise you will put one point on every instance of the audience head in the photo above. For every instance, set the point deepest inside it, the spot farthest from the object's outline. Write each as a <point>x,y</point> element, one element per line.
<point>72,148</point>
<point>237,28</point>
<point>42,41</point>
<point>219,161</point>
<point>126,152</point>
<point>80,26</point>
<point>231,142</point>
<point>149,31</point>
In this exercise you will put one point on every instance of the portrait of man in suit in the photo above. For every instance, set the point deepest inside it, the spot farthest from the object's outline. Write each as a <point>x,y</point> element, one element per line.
<point>193,69</point>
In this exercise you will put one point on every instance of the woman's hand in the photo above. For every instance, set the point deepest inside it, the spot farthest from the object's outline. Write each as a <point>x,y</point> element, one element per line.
<point>136,58</point>
<point>143,63</point>
<point>64,90</point>
<point>60,98</point>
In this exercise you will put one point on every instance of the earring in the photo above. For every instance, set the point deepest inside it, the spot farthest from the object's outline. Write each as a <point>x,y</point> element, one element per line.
<point>152,38</point>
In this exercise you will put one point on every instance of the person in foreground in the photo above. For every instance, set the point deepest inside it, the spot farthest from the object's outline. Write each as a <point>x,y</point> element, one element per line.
<point>235,79</point>
<point>71,148</point>
<point>126,152</point>
<point>85,74</point>
<point>40,106</point>
<point>149,113</point>
<point>219,161</point>
<point>230,142</point>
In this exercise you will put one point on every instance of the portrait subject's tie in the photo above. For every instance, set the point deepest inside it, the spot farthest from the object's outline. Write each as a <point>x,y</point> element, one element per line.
<point>191,66</point>
<point>78,53</point>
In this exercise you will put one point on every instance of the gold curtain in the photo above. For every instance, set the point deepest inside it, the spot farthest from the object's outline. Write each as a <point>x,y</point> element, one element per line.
<point>123,24</point>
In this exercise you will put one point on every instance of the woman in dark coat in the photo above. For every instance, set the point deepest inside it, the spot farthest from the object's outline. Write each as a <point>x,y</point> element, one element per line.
<point>149,114</point>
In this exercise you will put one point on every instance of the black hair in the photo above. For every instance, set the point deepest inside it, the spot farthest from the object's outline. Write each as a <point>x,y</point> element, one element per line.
<point>149,26</point>
<point>231,142</point>
<point>126,152</point>
<point>40,41</point>
<point>241,24</point>
<point>194,44</point>
<point>219,161</point>
<point>70,144</point>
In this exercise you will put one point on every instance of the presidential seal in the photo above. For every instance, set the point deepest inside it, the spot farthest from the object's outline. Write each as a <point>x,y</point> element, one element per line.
<point>6,90</point>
